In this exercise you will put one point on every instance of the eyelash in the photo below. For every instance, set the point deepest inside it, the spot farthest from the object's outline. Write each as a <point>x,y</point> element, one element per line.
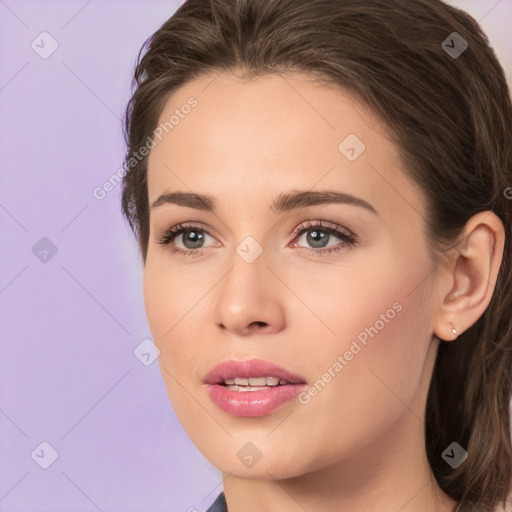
<point>349,239</point>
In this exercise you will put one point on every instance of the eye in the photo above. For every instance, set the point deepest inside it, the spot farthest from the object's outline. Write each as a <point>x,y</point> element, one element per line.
<point>192,239</point>
<point>318,235</point>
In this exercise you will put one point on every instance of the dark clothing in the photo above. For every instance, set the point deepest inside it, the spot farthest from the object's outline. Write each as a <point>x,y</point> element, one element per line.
<point>219,505</point>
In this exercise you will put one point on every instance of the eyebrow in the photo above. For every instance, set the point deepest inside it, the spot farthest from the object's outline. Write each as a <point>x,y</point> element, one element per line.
<point>283,203</point>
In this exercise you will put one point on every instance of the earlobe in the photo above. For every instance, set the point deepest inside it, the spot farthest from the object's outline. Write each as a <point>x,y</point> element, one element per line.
<point>472,277</point>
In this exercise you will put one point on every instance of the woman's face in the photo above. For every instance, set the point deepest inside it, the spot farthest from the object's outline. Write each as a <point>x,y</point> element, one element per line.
<point>345,309</point>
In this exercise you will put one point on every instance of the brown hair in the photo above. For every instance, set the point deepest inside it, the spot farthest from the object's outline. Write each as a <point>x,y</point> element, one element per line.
<point>451,117</point>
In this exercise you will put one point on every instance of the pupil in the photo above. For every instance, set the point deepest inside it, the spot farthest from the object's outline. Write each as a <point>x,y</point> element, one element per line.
<point>194,237</point>
<point>322,238</point>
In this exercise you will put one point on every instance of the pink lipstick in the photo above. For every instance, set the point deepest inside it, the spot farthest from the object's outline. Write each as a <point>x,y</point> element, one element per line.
<point>252,387</point>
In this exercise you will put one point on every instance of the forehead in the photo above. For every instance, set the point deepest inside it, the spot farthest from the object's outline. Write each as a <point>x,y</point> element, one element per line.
<point>268,134</point>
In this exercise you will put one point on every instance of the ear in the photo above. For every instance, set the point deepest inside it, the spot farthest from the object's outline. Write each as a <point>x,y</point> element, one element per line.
<point>469,282</point>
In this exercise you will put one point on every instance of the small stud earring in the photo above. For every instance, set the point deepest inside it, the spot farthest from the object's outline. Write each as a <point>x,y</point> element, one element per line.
<point>454,331</point>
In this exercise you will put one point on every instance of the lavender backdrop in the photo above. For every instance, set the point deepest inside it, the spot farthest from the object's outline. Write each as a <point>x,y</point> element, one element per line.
<point>71,307</point>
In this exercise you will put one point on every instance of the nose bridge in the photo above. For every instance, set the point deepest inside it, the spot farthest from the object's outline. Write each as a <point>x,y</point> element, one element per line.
<point>249,294</point>
<point>247,279</point>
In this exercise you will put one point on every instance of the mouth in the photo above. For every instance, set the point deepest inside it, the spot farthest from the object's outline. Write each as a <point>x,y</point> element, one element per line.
<point>253,383</point>
<point>252,387</point>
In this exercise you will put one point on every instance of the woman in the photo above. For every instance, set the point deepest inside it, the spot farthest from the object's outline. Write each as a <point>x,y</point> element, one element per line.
<point>321,194</point>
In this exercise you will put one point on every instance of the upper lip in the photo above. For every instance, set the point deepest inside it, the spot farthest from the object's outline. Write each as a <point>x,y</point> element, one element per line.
<point>232,368</point>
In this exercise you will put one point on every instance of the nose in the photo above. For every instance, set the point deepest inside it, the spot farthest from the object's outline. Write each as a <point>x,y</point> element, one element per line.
<point>250,299</point>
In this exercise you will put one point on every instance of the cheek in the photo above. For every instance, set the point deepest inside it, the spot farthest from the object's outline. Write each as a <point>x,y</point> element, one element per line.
<point>385,351</point>
<point>381,332</point>
<point>171,311</point>
<point>375,314</point>
<point>171,303</point>
<point>379,294</point>
<point>160,305</point>
<point>381,317</point>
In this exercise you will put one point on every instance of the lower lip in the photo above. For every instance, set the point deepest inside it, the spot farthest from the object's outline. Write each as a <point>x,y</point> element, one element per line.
<point>250,404</point>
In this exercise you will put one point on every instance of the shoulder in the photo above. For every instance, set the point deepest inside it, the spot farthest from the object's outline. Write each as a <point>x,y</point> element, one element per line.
<point>219,505</point>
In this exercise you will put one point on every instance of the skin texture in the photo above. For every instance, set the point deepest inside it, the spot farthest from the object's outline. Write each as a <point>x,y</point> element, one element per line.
<point>358,445</point>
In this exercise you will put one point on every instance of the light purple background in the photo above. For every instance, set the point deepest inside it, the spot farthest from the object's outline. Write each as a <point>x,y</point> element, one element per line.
<point>69,326</point>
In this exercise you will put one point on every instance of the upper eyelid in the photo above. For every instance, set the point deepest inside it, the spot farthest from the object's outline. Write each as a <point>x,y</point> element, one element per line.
<point>323,225</point>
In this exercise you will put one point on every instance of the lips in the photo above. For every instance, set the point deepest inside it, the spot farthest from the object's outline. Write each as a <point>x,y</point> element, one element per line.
<point>252,387</point>
<point>250,369</point>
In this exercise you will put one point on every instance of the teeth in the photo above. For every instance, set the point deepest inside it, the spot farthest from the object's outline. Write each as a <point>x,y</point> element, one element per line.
<point>246,388</point>
<point>258,381</point>
<point>255,382</point>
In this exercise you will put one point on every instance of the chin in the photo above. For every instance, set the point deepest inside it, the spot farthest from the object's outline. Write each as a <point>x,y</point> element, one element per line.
<point>272,464</point>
